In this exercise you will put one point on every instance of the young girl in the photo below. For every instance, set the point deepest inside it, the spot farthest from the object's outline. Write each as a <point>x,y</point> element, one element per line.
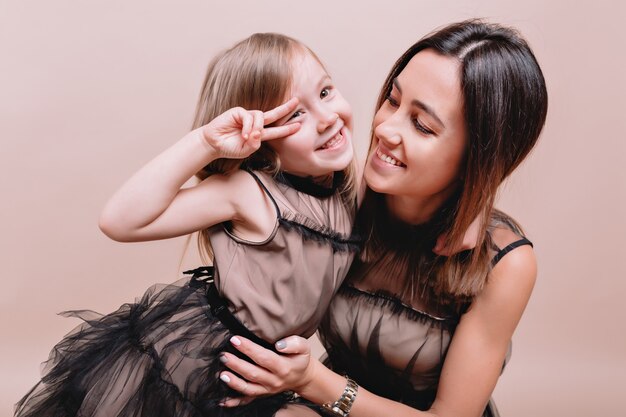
<point>274,209</point>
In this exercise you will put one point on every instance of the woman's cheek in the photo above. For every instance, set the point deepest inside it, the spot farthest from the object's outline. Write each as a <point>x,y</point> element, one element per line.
<point>379,117</point>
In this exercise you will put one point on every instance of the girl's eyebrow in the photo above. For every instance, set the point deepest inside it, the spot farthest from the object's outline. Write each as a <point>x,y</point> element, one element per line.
<point>325,79</point>
<point>421,105</point>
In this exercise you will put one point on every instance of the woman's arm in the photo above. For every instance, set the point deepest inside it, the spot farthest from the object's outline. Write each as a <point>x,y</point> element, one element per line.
<point>477,351</point>
<point>471,368</point>
<point>151,204</point>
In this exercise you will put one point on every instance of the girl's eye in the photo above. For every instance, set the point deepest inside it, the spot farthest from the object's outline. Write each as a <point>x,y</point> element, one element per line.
<point>325,92</point>
<point>419,126</point>
<point>297,113</point>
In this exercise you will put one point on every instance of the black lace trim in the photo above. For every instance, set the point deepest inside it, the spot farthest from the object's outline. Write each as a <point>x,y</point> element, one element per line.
<point>313,231</point>
<point>308,186</point>
<point>382,298</point>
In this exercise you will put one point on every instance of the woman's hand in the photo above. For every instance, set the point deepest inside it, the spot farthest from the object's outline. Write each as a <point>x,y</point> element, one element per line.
<point>238,132</point>
<point>469,240</point>
<point>273,373</point>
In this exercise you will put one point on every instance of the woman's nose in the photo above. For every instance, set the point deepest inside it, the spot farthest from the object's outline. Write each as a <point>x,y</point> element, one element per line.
<point>388,133</point>
<point>326,120</point>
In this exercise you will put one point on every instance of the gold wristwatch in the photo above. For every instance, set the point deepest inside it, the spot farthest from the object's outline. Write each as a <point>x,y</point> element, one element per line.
<point>342,406</point>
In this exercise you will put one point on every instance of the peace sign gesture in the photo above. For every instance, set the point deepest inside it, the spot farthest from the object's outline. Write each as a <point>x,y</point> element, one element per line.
<point>238,132</point>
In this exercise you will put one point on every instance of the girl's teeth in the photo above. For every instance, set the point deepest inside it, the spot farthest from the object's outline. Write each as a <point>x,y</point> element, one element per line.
<point>333,141</point>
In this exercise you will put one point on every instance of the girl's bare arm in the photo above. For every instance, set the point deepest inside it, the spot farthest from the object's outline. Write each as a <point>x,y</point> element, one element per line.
<point>152,205</point>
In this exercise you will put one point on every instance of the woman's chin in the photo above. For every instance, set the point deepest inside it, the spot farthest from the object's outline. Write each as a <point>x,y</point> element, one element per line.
<point>374,181</point>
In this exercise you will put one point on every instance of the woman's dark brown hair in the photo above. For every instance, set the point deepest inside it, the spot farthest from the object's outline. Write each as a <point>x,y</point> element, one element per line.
<point>505,106</point>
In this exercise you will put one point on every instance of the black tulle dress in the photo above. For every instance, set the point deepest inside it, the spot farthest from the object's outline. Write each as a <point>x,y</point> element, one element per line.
<point>159,356</point>
<point>391,345</point>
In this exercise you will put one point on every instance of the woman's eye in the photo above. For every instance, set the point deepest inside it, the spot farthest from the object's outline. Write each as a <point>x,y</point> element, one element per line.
<point>297,113</point>
<point>419,126</point>
<point>393,102</point>
<point>325,92</point>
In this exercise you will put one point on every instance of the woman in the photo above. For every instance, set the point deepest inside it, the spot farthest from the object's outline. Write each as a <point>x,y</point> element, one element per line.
<point>415,333</point>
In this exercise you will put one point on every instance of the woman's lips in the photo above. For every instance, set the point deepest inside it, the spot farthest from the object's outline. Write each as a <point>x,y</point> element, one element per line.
<point>388,159</point>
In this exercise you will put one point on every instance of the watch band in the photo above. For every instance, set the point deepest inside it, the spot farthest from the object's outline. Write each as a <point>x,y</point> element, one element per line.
<point>342,406</point>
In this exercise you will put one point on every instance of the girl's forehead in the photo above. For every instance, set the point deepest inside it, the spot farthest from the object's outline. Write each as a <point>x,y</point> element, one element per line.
<point>308,75</point>
<point>304,63</point>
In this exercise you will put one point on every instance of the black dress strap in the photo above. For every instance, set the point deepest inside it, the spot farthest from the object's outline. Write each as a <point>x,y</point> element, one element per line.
<point>258,180</point>
<point>508,248</point>
<point>308,228</point>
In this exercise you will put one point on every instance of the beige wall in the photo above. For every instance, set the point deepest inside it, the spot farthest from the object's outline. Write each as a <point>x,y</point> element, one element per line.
<point>90,90</point>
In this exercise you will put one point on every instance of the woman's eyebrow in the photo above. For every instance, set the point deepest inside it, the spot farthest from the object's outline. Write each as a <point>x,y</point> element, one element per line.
<point>421,105</point>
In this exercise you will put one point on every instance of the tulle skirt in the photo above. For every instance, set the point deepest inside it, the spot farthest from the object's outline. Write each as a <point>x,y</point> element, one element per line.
<point>157,357</point>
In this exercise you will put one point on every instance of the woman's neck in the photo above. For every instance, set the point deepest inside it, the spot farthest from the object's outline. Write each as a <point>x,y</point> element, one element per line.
<point>413,210</point>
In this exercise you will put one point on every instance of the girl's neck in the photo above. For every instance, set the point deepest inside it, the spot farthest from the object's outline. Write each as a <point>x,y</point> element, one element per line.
<point>321,186</point>
<point>325,180</point>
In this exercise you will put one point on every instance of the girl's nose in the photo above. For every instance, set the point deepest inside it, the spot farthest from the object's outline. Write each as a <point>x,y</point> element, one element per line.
<point>326,120</point>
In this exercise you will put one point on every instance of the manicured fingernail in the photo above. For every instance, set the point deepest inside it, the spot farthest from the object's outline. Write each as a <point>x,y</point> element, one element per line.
<point>225,378</point>
<point>235,341</point>
<point>281,344</point>
<point>223,358</point>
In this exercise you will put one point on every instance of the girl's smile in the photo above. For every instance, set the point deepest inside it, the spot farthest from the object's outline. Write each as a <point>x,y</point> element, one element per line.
<point>323,144</point>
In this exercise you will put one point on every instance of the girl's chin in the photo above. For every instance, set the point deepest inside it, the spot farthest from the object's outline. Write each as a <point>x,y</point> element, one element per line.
<point>342,161</point>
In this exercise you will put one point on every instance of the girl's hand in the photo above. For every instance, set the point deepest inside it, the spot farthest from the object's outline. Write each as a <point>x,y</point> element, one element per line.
<point>273,373</point>
<point>238,132</point>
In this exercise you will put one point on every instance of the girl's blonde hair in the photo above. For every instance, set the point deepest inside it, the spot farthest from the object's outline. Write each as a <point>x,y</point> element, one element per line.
<point>256,74</point>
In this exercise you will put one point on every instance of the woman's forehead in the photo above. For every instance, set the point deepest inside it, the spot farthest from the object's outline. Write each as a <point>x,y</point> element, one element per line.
<point>433,79</point>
